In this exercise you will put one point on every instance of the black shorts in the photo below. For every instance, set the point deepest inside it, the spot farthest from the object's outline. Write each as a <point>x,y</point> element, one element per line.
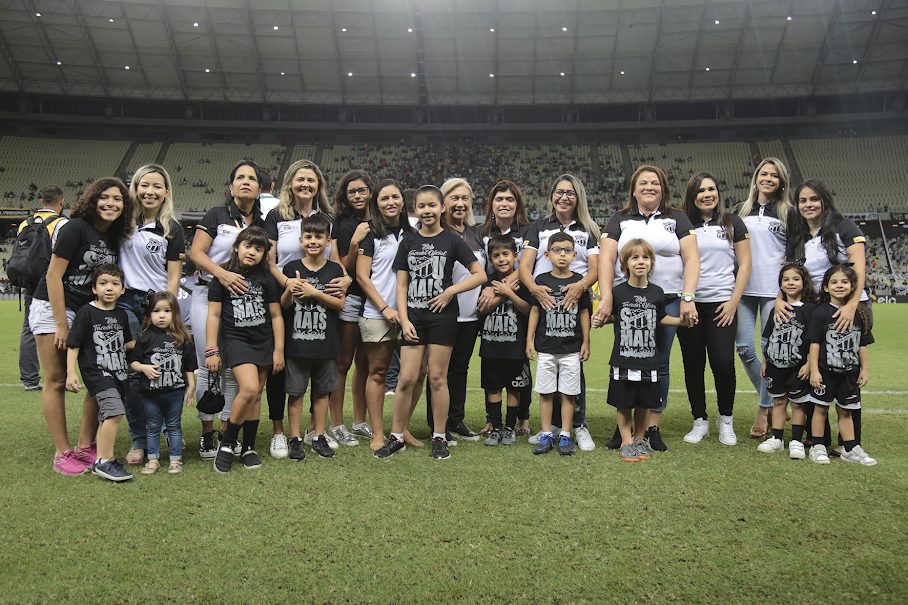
<point>841,388</point>
<point>784,382</point>
<point>626,394</point>
<point>434,332</point>
<point>500,374</point>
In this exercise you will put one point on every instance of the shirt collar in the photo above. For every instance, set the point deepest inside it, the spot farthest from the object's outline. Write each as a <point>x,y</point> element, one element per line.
<point>552,221</point>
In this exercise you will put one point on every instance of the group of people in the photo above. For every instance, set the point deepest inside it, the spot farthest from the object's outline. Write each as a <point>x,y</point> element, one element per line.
<point>297,291</point>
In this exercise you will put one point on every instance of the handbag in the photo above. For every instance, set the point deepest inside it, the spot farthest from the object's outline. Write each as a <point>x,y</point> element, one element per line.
<point>212,401</point>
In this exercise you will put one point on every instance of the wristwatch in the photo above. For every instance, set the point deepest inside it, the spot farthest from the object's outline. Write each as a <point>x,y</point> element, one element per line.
<point>687,297</point>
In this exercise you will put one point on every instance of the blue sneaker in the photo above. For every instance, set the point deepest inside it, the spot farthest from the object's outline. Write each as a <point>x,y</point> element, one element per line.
<point>565,446</point>
<point>545,445</point>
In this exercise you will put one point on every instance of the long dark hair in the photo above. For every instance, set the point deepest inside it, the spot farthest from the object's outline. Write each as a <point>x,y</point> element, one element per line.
<point>808,294</point>
<point>828,220</point>
<point>341,203</point>
<point>852,276</point>
<point>87,207</point>
<point>520,213</point>
<point>693,213</point>
<point>254,236</point>
<point>177,329</point>
<point>376,221</point>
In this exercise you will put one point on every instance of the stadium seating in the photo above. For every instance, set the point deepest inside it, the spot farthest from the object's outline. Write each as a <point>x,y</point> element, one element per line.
<point>145,153</point>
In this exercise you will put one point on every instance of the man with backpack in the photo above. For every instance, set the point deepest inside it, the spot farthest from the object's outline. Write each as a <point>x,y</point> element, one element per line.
<point>28,264</point>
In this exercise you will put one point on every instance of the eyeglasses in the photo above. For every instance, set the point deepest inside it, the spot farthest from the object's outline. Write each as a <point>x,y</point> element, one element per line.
<point>559,193</point>
<point>559,251</point>
<point>360,191</point>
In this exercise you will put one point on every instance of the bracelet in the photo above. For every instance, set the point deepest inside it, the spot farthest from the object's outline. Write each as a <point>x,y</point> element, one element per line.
<point>382,312</point>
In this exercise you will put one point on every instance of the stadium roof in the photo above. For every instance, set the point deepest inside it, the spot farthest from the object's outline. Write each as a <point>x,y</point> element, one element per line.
<point>441,52</point>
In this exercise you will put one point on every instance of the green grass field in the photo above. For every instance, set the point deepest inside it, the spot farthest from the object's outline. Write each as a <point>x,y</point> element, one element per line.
<point>698,524</point>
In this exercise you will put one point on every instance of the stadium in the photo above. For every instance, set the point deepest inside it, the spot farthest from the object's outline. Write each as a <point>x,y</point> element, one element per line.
<point>422,91</point>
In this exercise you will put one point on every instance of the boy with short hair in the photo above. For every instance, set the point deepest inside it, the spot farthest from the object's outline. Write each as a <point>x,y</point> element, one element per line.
<point>98,341</point>
<point>312,343</point>
<point>562,338</point>
<point>502,344</point>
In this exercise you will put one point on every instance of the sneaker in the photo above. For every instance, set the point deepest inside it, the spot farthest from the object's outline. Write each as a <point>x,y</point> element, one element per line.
<point>858,455</point>
<point>615,442</point>
<point>151,467</point>
<point>508,437</point>
<point>642,452</point>
<point>566,445</point>
<point>33,387</point>
<point>818,454</point>
<point>440,448</point>
<point>534,439</point>
<point>545,445</point>
<point>251,460</point>
<point>795,450</point>
<point>87,455</point>
<point>223,459</point>
<point>584,440</point>
<point>389,393</point>
<point>494,437</point>
<point>362,429</point>
<point>111,470</point>
<point>207,447</point>
<point>391,447</point>
<point>278,449</point>
<point>726,430</point>
<point>238,449</point>
<point>773,445</point>
<point>628,453</point>
<point>296,449</point>
<point>310,435</point>
<point>451,438</point>
<point>462,431</point>
<point>176,467</point>
<point>699,431</point>
<point>653,439</point>
<point>343,436</point>
<point>68,465</point>
<point>320,446</point>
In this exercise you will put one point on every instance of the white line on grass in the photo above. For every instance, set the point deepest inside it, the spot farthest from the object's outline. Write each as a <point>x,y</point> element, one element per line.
<point>593,390</point>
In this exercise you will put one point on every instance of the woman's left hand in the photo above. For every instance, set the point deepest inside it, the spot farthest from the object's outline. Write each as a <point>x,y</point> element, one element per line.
<point>338,286</point>
<point>277,362</point>
<point>725,314</point>
<point>689,314</point>
<point>844,318</point>
<point>438,303</point>
<point>572,294</point>
<point>486,296</point>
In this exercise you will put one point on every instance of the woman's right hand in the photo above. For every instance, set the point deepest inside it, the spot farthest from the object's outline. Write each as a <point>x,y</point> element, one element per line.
<point>409,331</point>
<point>362,230</point>
<point>213,363</point>
<point>486,297</point>
<point>391,316</point>
<point>603,310</point>
<point>60,336</point>
<point>783,311</point>
<point>234,282</point>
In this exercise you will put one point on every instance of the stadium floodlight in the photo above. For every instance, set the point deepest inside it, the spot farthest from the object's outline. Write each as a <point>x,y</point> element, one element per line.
<point>622,72</point>
<point>412,74</point>
<point>716,22</point>
<point>110,20</point>
<point>207,71</point>
<point>491,75</point>
<point>854,61</point>
<point>37,14</point>
<point>126,67</point>
<point>282,73</point>
<point>409,30</point>
<point>871,12</point>
<point>788,18</point>
<point>343,29</point>
<point>564,29</point>
<point>492,29</point>
<point>275,28</point>
<point>707,69</point>
<point>59,63</point>
<point>195,23</point>
<point>349,74</point>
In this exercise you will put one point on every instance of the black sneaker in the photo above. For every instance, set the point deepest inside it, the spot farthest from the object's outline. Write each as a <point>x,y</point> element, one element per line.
<point>208,449</point>
<point>462,431</point>
<point>452,439</point>
<point>653,439</point>
<point>390,448</point>
<point>223,460</point>
<point>111,470</point>
<point>615,442</point>
<point>565,446</point>
<point>251,459</point>
<point>320,446</point>
<point>296,449</point>
<point>440,449</point>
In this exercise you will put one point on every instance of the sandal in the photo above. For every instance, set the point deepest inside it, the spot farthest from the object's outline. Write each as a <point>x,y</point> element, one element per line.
<point>135,457</point>
<point>758,430</point>
<point>151,467</point>
<point>487,429</point>
<point>523,427</point>
<point>176,467</point>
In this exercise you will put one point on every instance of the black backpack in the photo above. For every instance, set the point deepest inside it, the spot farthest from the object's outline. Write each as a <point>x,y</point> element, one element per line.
<point>31,252</point>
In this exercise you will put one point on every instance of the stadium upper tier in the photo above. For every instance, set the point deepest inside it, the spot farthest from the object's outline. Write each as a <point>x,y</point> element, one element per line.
<point>864,173</point>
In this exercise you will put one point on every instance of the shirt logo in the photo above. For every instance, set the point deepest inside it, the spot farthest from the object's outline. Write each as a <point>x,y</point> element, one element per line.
<point>669,226</point>
<point>154,245</point>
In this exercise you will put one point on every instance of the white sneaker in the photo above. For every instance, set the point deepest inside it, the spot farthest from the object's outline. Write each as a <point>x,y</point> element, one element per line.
<point>310,435</point>
<point>698,432</point>
<point>584,439</point>
<point>818,454</point>
<point>796,450</point>
<point>279,448</point>
<point>534,439</point>
<point>342,435</point>
<point>859,456</point>
<point>726,430</point>
<point>773,445</point>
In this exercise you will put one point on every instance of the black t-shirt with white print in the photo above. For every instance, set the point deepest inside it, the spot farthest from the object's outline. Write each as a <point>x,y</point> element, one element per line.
<point>537,236</point>
<point>85,248</point>
<point>504,329</point>
<point>158,348</point>
<point>144,256</point>
<point>637,313</point>
<point>101,338</point>
<point>559,330</point>
<point>343,231</point>
<point>223,224</point>
<point>787,343</point>
<point>838,350</point>
<point>245,317</point>
<point>311,327</point>
<point>430,263</point>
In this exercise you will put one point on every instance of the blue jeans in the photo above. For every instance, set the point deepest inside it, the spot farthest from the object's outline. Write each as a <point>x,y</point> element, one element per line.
<point>135,411</point>
<point>746,342</point>
<point>665,339</point>
<point>164,409</point>
<point>393,372</point>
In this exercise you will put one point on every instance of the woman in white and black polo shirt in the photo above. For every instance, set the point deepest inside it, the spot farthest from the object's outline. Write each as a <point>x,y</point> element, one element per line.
<point>211,248</point>
<point>724,248</point>
<point>649,216</point>
<point>152,261</point>
<point>568,213</point>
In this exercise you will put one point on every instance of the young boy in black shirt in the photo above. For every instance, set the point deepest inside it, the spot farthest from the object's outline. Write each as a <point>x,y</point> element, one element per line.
<point>98,341</point>
<point>562,338</point>
<point>312,343</point>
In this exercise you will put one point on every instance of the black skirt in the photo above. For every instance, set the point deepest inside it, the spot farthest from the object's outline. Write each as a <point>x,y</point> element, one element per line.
<point>258,352</point>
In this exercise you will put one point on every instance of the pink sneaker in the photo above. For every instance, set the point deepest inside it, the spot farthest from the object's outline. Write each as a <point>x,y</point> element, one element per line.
<point>87,455</point>
<point>69,465</point>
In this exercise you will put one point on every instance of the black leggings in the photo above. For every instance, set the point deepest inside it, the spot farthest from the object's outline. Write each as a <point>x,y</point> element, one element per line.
<point>458,367</point>
<point>277,397</point>
<point>708,339</point>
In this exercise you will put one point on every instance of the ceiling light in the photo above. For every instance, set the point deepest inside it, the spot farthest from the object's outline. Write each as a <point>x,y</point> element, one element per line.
<point>854,61</point>
<point>275,28</point>
<point>343,29</point>
<point>59,63</point>
<point>110,20</point>
<point>562,74</point>
<point>622,72</point>
<point>37,14</point>
<point>871,12</point>
<point>349,74</point>
<point>195,24</point>
<point>707,69</point>
<point>412,74</point>
<point>716,22</point>
<point>282,73</point>
<point>207,71</point>
<point>788,18</point>
<point>491,75</point>
<point>126,67</point>
<point>564,29</point>
<point>491,29</point>
<point>409,30</point>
